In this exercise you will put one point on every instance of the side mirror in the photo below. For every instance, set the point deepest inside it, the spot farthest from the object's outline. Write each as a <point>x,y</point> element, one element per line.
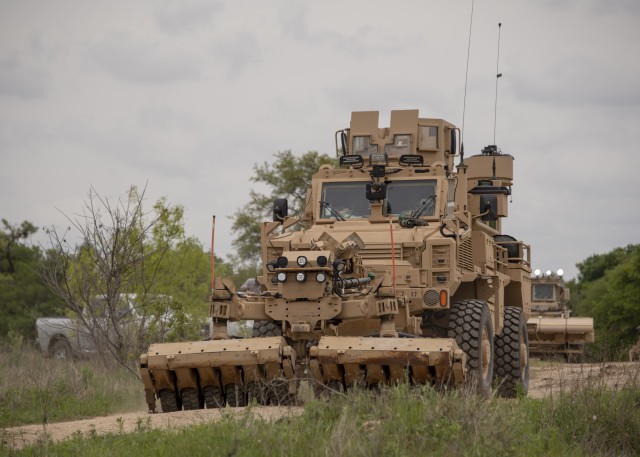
<point>280,209</point>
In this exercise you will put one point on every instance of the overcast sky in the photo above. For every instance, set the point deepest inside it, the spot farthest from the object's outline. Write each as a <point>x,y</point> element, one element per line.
<point>186,96</point>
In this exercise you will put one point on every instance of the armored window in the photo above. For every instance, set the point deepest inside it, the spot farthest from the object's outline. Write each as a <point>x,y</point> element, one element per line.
<point>401,145</point>
<point>427,138</point>
<point>543,292</point>
<point>344,199</point>
<point>407,195</point>
<point>363,147</point>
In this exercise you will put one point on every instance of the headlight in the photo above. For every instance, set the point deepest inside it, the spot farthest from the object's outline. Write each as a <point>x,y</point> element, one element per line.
<point>537,273</point>
<point>338,265</point>
<point>322,260</point>
<point>282,276</point>
<point>301,276</point>
<point>271,266</point>
<point>302,261</point>
<point>560,272</point>
<point>274,280</point>
<point>321,277</point>
<point>547,273</point>
<point>282,262</point>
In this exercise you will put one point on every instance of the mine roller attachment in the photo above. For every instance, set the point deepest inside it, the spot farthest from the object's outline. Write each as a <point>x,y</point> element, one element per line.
<point>339,362</point>
<point>217,373</point>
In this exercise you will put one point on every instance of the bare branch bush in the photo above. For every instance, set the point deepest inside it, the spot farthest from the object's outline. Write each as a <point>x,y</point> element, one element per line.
<point>107,280</point>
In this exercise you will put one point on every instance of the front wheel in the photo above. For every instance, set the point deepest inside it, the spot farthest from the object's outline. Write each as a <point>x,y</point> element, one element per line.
<point>512,354</point>
<point>470,325</point>
<point>61,349</point>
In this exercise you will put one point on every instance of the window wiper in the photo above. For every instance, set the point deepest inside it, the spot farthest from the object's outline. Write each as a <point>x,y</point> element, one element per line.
<point>412,219</point>
<point>333,212</point>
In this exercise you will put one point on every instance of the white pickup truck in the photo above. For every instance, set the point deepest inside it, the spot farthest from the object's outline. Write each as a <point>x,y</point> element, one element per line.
<point>65,337</point>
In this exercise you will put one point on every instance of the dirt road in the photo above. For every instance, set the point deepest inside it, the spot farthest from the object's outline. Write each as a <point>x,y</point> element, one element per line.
<point>545,378</point>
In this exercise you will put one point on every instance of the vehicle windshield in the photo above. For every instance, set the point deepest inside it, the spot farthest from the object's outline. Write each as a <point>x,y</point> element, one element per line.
<point>407,195</point>
<point>342,200</point>
<point>543,292</point>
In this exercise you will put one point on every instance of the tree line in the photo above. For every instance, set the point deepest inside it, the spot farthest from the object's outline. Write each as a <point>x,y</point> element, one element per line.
<point>127,248</point>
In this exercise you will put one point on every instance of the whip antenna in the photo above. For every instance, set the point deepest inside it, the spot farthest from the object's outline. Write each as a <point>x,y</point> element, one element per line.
<point>466,77</point>
<point>498,76</point>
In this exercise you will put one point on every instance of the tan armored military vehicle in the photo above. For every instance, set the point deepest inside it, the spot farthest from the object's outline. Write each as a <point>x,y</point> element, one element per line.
<point>552,330</point>
<point>396,271</point>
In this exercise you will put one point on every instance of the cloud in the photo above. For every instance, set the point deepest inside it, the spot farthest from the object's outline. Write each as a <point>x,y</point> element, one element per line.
<point>21,79</point>
<point>580,80</point>
<point>144,62</point>
<point>238,53</point>
<point>186,16</point>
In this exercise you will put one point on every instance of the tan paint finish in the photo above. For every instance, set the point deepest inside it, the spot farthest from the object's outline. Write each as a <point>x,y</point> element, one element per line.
<point>350,333</point>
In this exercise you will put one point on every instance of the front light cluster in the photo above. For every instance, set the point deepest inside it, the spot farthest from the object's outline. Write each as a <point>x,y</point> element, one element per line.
<point>301,276</point>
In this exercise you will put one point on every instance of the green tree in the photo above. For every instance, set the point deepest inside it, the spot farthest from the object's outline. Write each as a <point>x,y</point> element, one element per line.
<point>288,176</point>
<point>608,289</point>
<point>23,294</point>
<point>126,250</point>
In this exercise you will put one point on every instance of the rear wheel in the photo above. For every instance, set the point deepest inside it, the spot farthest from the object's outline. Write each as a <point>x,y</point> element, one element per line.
<point>262,329</point>
<point>470,325</point>
<point>512,354</point>
<point>169,401</point>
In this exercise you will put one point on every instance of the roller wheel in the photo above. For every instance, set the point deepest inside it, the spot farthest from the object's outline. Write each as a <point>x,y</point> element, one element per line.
<point>191,399</point>
<point>512,354</point>
<point>262,329</point>
<point>257,393</point>
<point>279,393</point>
<point>236,396</point>
<point>169,401</point>
<point>213,397</point>
<point>61,349</point>
<point>470,325</point>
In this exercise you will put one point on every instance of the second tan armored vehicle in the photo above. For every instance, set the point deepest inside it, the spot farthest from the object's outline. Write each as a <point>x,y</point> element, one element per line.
<point>552,330</point>
<point>397,270</point>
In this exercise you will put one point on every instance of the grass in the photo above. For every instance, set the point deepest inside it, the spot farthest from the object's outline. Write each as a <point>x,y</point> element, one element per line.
<point>592,419</point>
<point>37,390</point>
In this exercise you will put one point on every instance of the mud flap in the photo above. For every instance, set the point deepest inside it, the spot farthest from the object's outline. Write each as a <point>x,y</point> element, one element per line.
<point>369,361</point>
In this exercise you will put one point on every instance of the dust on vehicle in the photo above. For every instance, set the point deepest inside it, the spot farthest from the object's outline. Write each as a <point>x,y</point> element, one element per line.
<point>397,270</point>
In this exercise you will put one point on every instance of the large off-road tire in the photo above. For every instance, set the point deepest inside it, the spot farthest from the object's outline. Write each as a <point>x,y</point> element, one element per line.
<point>265,328</point>
<point>169,401</point>
<point>236,395</point>
<point>191,399</point>
<point>512,354</point>
<point>470,325</point>
<point>213,397</point>
<point>278,392</point>
<point>61,349</point>
<point>256,391</point>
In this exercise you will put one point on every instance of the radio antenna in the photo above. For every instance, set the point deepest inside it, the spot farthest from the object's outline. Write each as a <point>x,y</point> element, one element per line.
<point>498,76</point>
<point>466,77</point>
